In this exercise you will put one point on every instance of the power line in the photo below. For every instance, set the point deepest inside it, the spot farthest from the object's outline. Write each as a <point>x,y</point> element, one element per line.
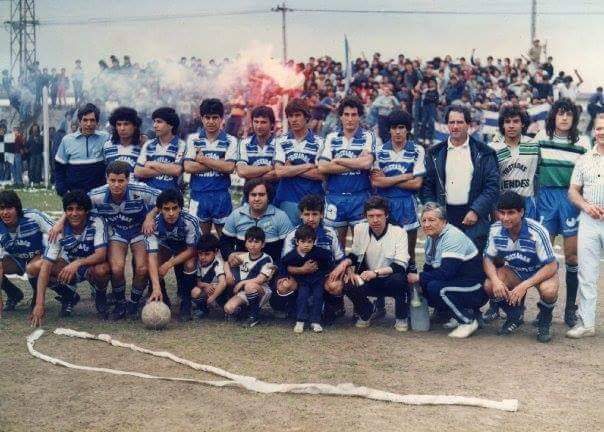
<point>207,14</point>
<point>147,18</point>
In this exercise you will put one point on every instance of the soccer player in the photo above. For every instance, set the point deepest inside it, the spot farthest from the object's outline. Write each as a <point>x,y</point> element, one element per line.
<point>79,158</point>
<point>346,159</point>
<point>518,158</point>
<point>308,264</point>
<point>296,155</point>
<point>160,162</point>
<point>211,156</point>
<point>257,151</point>
<point>284,301</point>
<point>21,245</point>
<point>211,280</point>
<point>377,265</point>
<point>398,175</point>
<point>172,246</point>
<point>125,142</point>
<point>560,146</point>
<point>452,276</point>
<point>249,279</point>
<point>587,193</point>
<point>524,246</point>
<point>128,210</point>
<point>79,254</point>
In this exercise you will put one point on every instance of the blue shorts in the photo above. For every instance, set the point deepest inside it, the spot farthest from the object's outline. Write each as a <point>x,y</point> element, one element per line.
<point>530,208</point>
<point>403,212</point>
<point>521,275</point>
<point>211,206</point>
<point>342,210</point>
<point>20,263</point>
<point>557,213</point>
<point>126,238</point>
<point>291,210</point>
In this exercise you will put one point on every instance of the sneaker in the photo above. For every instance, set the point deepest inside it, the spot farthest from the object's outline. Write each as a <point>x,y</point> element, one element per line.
<point>580,331</point>
<point>544,334</point>
<point>401,325</point>
<point>360,323</point>
<point>299,327</point>
<point>316,327</point>
<point>509,326</point>
<point>11,304</point>
<point>378,313</point>
<point>451,324</point>
<point>119,311</point>
<point>68,305</point>
<point>492,313</point>
<point>184,314</point>
<point>570,316</point>
<point>537,320</point>
<point>280,314</point>
<point>251,322</point>
<point>464,330</point>
<point>100,303</point>
<point>200,313</point>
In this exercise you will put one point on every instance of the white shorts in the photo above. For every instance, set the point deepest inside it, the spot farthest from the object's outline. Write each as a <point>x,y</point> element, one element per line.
<point>267,294</point>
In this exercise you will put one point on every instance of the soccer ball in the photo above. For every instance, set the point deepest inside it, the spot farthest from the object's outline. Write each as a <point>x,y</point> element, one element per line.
<point>155,315</point>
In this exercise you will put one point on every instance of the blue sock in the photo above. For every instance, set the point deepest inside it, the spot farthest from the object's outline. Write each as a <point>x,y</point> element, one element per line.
<point>253,300</point>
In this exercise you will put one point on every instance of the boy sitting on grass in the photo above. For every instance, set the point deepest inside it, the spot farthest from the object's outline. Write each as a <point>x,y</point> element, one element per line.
<point>249,280</point>
<point>300,265</point>
<point>211,280</point>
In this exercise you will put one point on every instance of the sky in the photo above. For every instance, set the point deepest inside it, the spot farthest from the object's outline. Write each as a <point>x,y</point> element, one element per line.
<point>574,38</point>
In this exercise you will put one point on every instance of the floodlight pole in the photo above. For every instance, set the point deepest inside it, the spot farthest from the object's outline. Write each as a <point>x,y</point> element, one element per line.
<point>283,9</point>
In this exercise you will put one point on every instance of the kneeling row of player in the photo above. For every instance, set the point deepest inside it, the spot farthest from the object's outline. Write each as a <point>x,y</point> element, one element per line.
<point>452,279</point>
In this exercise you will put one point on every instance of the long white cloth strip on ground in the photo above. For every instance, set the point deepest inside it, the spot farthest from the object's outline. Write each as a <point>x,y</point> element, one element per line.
<point>255,385</point>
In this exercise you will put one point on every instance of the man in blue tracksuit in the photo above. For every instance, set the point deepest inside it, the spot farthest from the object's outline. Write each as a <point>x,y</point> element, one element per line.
<point>79,160</point>
<point>462,175</point>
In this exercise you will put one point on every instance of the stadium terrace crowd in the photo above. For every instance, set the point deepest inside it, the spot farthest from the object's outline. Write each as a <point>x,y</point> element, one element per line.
<point>490,213</point>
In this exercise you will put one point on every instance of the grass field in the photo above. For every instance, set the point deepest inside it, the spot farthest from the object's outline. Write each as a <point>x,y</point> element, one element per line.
<point>559,385</point>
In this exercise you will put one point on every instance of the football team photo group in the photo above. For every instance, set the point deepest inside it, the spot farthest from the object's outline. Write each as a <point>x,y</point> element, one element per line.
<point>326,230</point>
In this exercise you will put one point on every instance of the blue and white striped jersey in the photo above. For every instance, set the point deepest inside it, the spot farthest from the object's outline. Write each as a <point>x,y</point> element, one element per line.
<point>223,148</point>
<point>125,218</point>
<point>172,153</point>
<point>250,153</point>
<point>27,239</point>
<point>287,149</point>
<point>210,273</point>
<point>530,252</point>
<point>326,239</point>
<point>125,153</point>
<point>337,146</point>
<point>250,268</point>
<point>410,160</point>
<point>72,246</point>
<point>182,234</point>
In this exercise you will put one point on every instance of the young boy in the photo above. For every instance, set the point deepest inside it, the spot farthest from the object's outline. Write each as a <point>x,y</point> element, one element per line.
<point>250,278</point>
<point>299,264</point>
<point>211,280</point>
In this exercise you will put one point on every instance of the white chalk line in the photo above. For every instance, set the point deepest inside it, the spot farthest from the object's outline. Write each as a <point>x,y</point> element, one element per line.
<point>255,385</point>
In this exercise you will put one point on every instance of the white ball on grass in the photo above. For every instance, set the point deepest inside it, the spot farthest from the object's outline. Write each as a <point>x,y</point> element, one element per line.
<point>155,315</point>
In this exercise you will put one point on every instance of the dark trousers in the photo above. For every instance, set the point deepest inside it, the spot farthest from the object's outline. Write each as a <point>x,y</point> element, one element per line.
<point>284,303</point>
<point>35,168</point>
<point>394,286</point>
<point>428,119</point>
<point>307,292</point>
<point>455,215</point>
<point>463,297</point>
